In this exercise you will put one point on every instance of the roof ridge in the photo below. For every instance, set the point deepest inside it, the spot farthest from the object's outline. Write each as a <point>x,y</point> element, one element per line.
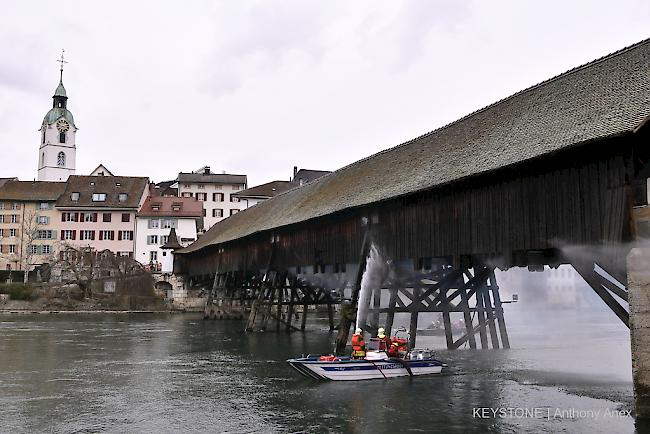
<point>498,102</point>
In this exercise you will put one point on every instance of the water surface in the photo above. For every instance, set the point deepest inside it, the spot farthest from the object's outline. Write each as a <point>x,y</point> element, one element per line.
<point>178,373</point>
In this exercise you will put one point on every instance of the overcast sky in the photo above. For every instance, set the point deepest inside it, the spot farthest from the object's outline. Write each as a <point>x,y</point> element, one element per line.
<point>256,87</point>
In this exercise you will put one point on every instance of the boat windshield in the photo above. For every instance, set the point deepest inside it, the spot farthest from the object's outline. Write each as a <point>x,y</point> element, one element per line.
<point>373,344</point>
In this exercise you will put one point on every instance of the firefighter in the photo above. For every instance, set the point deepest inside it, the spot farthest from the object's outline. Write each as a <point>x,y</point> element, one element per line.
<point>384,341</point>
<point>358,345</point>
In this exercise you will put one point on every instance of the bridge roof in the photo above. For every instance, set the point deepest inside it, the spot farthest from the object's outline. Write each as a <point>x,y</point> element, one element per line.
<point>607,97</point>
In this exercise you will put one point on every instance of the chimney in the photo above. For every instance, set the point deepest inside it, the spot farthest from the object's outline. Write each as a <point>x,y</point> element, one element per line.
<point>206,170</point>
<point>295,172</point>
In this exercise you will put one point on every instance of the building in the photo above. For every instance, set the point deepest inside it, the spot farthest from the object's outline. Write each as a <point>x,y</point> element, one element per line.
<point>101,170</point>
<point>304,176</point>
<point>215,191</point>
<point>100,212</point>
<point>254,195</point>
<point>57,150</point>
<point>28,223</point>
<point>154,221</point>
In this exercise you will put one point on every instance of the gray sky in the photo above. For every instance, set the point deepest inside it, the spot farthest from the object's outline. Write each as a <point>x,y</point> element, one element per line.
<point>256,87</point>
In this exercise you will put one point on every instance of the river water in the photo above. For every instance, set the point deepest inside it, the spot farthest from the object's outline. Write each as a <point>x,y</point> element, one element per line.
<point>178,373</point>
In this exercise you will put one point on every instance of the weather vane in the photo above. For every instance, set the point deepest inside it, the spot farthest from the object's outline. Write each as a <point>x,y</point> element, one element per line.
<point>62,61</point>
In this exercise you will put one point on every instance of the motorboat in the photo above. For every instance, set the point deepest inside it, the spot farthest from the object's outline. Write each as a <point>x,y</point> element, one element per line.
<point>376,365</point>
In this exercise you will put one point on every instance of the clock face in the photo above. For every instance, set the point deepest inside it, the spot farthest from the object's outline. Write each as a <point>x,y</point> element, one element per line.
<point>62,125</point>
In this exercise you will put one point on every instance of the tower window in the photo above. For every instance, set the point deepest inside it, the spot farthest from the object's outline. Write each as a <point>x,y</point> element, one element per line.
<point>60,159</point>
<point>43,134</point>
<point>61,137</point>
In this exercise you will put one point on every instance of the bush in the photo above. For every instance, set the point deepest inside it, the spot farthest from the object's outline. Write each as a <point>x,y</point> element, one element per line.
<point>18,291</point>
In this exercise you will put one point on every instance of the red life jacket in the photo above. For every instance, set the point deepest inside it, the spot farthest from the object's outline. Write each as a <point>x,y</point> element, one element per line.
<point>358,344</point>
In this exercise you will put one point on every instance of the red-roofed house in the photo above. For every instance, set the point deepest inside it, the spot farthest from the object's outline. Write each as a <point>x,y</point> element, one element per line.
<point>157,216</point>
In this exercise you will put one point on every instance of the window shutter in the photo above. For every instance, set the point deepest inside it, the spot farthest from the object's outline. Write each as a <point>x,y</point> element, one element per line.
<point>112,233</point>
<point>94,217</point>
<point>101,235</point>
<point>130,235</point>
<point>119,235</point>
<point>53,234</point>
<point>76,217</point>
<point>130,254</point>
<point>17,218</point>
<point>62,235</point>
<point>74,235</point>
<point>61,255</point>
<point>62,216</point>
<point>92,235</point>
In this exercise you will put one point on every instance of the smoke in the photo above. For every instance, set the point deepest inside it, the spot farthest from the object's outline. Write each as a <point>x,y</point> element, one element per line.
<point>373,277</point>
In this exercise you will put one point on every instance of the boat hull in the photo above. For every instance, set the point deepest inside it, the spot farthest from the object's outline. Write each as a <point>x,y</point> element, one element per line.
<point>352,369</point>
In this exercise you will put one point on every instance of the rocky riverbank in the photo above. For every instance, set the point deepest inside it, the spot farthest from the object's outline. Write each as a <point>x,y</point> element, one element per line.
<point>37,298</point>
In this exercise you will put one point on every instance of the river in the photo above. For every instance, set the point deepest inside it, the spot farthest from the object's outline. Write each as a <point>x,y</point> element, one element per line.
<point>74,373</point>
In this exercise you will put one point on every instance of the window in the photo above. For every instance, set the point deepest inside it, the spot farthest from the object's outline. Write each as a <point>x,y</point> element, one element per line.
<point>60,159</point>
<point>186,185</point>
<point>89,217</point>
<point>168,224</point>
<point>14,218</point>
<point>235,187</point>
<point>126,218</point>
<point>2,232</point>
<point>122,197</point>
<point>44,235</point>
<point>87,235</point>
<point>186,194</point>
<point>153,224</point>
<point>13,232</point>
<point>106,217</point>
<point>43,205</point>
<point>202,196</point>
<point>234,211</point>
<point>15,205</point>
<point>124,254</point>
<point>217,213</point>
<point>43,220</point>
<point>152,239</point>
<point>68,235</point>
<point>204,212</point>
<point>12,248</point>
<point>177,206</point>
<point>201,186</point>
<point>69,217</point>
<point>99,197</point>
<point>155,206</point>
<point>74,196</point>
<point>217,197</point>
<point>125,235</point>
<point>234,198</point>
<point>46,249</point>
<point>34,249</point>
<point>164,239</point>
<point>153,256</point>
<point>2,219</point>
<point>106,235</point>
<point>2,205</point>
<point>61,140</point>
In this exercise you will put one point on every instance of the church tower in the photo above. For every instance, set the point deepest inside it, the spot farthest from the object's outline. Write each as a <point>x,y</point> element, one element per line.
<point>57,151</point>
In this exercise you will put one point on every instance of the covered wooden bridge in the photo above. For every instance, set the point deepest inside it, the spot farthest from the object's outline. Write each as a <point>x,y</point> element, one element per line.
<point>562,163</point>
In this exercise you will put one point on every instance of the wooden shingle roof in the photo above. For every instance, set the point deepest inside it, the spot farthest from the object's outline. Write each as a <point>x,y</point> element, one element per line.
<point>607,97</point>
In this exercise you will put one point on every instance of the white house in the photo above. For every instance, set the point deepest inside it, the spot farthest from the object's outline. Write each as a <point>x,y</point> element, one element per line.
<point>216,193</point>
<point>157,216</point>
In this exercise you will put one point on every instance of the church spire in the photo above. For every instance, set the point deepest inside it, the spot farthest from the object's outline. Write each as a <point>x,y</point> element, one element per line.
<point>60,97</point>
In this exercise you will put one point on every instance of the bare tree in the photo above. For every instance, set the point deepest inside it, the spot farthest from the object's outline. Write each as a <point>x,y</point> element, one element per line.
<point>77,264</point>
<point>30,228</point>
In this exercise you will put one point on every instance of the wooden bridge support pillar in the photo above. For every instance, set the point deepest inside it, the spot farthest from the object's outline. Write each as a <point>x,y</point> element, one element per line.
<point>638,279</point>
